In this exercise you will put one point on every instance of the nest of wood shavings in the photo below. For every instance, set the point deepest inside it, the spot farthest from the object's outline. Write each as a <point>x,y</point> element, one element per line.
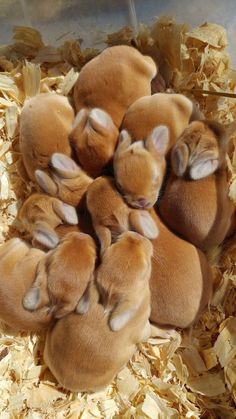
<point>179,378</point>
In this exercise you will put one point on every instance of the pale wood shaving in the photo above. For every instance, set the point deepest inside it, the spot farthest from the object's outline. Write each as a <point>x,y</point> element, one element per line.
<point>178,377</point>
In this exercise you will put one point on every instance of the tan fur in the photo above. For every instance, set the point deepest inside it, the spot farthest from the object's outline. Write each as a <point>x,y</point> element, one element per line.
<point>63,276</point>
<point>139,170</point>
<point>199,210</point>
<point>113,80</point>
<point>42,213</point>
<point>84,354</point>
<point>181,282</point>
<point>172,110</point>
<point>122,275</point>
<point>94,137</point>
<point>18,264</point>
<point>45,124</point>
<point>110,214</point>
<point>68,184</point>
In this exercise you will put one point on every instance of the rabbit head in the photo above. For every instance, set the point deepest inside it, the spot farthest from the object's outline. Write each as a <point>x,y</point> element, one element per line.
<point>139,168</point>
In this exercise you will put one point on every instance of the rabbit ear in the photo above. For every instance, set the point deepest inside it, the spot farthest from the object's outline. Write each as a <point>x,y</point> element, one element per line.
<point>203,168</point>
<point>124,141</point>
<point>45,235</point>
<point>84,302</point>
<point>37,296</point>
<point>100,120</point>
<point>31,299</point>
<point>142,222</point>
<point>80,120</point>
<point>179,159</point>
<point>66,212</point>
<point>158,140</point>
<point>65,166</point>
<point>45,182</point>
<point>122,314</point>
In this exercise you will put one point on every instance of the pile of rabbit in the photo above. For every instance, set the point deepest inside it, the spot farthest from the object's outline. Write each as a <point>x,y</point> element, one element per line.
<point>135,191</point>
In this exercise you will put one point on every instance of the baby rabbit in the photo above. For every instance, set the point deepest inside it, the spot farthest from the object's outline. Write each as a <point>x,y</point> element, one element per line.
<point>113,80</point>
<point>63,277</point>
<point>124,271</point>
<point>195,203</point>
<point>106,87</point>
<point>18,265</point>
<point>45,123</point>
<point>173,110</point>
<point>139,168</point>
<point>41,214</point>
<point>83,353</point>
<point>94,137</point>
<point>111,216</point>
<point>66,181</point>
<point>181,280</point>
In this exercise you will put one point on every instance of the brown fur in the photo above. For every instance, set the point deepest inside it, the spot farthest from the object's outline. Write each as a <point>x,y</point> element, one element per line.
<point>124,271</point>
<point>94,137</point>
<point>63,276</point>
<point>66,181</point>
<point>41,213</point>
<point>113,80</point>
<point>181,282</point>
<point>172,110</point>
<point>139,170</point>
<point>84,354</point>
<point>110,214</point>
<point>199,210</point>
<point>45,124</point>
<point>18,265</point>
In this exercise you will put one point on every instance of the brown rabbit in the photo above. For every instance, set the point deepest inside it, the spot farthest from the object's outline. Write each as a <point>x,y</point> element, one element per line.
<point>124,271</point>
<point>139,168</point>
<point>181,280</point>
<point>195,203</point>
<point>63,277</point>
<point>45,123</point>
<point>113,80</point>
<point>173,110</point>
<point>66,181</point>
<point>41,214</point>
<point>18,265</point>
<point>84,354</point>
<point>111,216</point>
<point>94,137</point>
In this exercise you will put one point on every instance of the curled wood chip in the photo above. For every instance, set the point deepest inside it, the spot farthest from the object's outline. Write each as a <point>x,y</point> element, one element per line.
<point>31,77</point>
<point>225,345</point>
<point>11,120</point>
<point>210,33</point>
<point>208,385</point>
<point>68,82</point>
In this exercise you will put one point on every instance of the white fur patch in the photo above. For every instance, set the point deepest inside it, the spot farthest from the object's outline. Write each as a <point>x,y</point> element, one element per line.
<point>83,305</point>
<point>31,299</point>
<point>62,162</point>
<point>119,321</point>
<point>203,169</point>
<point>79,117</point>
<point>160,138</point>
<point>101,117</point>
<point>47,238</point>
<point>70,214</point>
<point>148,225</point>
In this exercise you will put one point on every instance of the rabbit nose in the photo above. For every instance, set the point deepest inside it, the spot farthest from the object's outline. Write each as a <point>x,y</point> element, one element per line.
<point>142,202</point>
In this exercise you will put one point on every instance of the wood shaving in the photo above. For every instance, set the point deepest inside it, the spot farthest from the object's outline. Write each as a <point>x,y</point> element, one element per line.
<point>181,377</point>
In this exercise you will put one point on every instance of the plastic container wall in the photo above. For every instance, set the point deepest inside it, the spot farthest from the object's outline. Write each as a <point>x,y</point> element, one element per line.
<point>90,20</point>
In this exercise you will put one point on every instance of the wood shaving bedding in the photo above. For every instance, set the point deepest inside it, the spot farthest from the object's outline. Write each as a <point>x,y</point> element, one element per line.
<point>191,375</point>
